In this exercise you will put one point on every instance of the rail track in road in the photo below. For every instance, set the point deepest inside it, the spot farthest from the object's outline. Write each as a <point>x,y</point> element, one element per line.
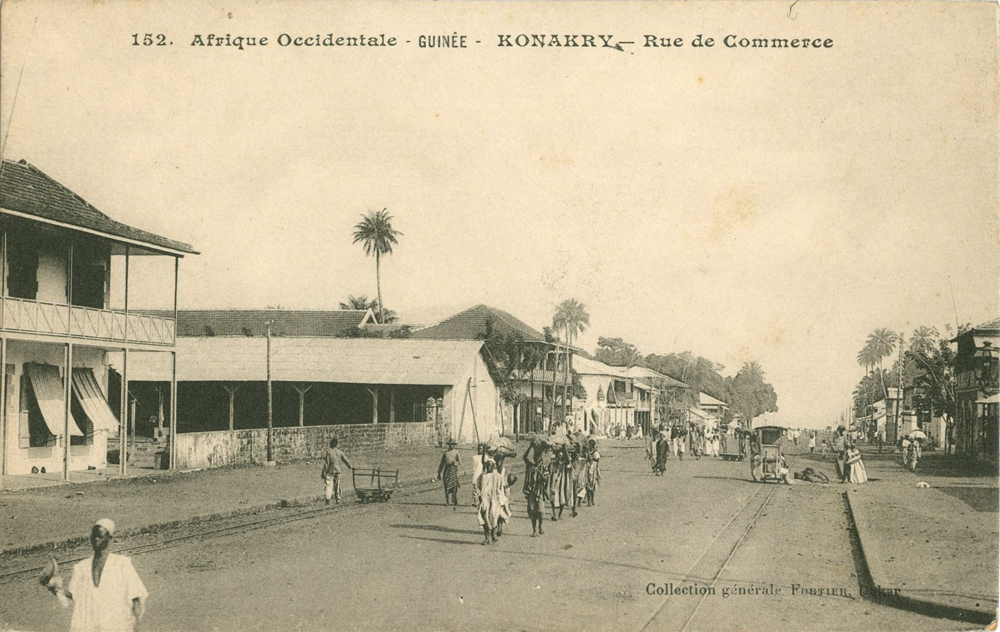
<point>707,569</point>
<point>236,526</point>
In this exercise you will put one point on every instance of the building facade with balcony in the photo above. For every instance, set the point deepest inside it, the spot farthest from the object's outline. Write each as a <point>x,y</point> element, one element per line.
<point>62,313</point>
<point>614,403</point>
<point>977,391</point>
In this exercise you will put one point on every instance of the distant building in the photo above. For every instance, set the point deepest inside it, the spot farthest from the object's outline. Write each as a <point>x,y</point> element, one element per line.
<point>540,390</point>
<point>65,289</point>
<point>613,398</point>
<point>977,377</point>
<point>885,418</point>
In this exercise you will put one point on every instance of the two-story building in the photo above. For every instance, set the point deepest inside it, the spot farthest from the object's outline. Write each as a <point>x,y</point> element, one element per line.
<point>977,377</point>
<point>64,306</point>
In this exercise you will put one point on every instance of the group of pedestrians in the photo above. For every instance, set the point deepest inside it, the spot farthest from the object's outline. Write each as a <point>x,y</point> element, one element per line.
<point>563,469</point>
<point>674,440</point>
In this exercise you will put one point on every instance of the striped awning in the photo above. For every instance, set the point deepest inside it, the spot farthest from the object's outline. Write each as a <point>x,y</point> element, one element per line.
<point>92,400</point>
<point>48,388</point>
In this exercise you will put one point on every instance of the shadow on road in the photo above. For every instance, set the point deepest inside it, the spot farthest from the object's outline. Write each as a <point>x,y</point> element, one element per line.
<point>730,478</point>
<point>442,540</point>
<point>434,527</point>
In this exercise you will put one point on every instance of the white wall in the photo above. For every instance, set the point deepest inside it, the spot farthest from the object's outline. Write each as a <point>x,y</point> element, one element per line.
<point>484,398</point>
<point>20,461</point>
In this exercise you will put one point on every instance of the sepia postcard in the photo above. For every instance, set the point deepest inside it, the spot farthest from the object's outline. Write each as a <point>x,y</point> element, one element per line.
<point>499,315</point>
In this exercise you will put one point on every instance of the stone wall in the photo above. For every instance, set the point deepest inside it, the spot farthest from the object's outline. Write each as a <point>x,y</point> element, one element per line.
<point>240,447</point>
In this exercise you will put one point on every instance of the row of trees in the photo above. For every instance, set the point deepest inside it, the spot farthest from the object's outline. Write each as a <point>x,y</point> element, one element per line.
<point>924,360</point>
<point>747,393</point>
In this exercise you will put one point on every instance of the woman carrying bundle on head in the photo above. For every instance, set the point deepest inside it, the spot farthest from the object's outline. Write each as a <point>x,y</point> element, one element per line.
<point>578,464</point>
<point>560,476</point>
<point>536,482</point>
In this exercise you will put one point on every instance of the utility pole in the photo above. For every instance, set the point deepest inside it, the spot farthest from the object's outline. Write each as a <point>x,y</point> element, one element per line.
<point>270,402</point>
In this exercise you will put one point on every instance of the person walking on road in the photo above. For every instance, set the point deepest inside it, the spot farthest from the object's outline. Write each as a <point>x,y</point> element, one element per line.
<point>840,447</point>
<point>333,458</point>
<point>492,502</point>
<point>536,483</point>
<point>560,478</point>
<point>662,447</point>
<point>593,471</point>
<point>812,443</point>
<point>680,440</point>
<point>106,592</point>
<point>578,459</point>
<point>448,473</point>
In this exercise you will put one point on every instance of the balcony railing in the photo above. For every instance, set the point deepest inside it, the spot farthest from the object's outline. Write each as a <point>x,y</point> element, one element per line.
<point>539,375</point>
<point>72,321</point>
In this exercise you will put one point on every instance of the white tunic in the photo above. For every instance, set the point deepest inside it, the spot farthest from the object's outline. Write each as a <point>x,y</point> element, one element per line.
<point>107,608</point>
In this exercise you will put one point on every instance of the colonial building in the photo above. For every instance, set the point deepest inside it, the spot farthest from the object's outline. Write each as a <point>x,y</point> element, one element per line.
<point>538,390</point>
<point>65,288</point>
<point>614,399</point>
<point>977,376</point>
<point>322,384</point>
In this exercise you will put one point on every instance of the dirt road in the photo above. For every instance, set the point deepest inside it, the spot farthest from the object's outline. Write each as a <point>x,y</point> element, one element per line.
<point>769,557</point>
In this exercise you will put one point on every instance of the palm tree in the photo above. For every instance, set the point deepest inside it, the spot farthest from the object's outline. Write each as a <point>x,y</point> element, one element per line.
<point>923,339</point>
<point>358,303</point>
<point>572,317</point>
<point>376,234</point>
<point>753,370</point>
<point>882,342</point>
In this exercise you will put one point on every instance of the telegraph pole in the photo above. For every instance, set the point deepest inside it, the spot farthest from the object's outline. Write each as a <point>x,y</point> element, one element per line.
<point>270,401</point>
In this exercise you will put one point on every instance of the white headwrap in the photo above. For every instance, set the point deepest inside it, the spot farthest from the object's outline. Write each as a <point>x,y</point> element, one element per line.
<point>108,524</point>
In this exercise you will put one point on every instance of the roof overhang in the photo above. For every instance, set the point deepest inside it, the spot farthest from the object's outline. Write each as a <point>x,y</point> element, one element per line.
<point>153,248</point>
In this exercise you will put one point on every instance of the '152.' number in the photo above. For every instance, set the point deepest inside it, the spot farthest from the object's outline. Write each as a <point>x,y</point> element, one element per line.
<point>149,39</point>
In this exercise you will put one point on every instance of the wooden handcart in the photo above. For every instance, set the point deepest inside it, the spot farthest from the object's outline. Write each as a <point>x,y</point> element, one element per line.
<point>374,484</point>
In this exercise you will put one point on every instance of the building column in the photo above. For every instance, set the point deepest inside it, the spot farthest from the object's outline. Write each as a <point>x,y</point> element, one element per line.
<point>374,394</point>
<point>3,407</point>
<point>172,449</point>
<point>123,417</point>
<point>392,405</point>
<point>302,390</point>
<point>67,400</point>
<point>231,390</point>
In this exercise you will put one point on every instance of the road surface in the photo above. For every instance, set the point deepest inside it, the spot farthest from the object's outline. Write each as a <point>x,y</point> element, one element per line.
<point>702,548</point>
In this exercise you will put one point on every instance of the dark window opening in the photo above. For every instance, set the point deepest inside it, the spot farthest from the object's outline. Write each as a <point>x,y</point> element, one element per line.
<point>22,263</point>
<point>90,274</point>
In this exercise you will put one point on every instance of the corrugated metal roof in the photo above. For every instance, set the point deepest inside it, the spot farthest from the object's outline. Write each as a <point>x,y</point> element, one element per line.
<point>471,325</point>
<point>655,377</point>
<point>707,400</point>
<point>253,322</point>
<point>24,188</point>
<point>583,366</point>
<point>337,360</point>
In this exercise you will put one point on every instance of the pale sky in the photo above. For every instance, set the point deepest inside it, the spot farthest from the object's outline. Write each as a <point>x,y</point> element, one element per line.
<point>741,204</point>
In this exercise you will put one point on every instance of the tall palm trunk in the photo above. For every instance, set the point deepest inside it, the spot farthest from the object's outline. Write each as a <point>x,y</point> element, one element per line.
<point>378,286</point>
<point>566,375</point>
